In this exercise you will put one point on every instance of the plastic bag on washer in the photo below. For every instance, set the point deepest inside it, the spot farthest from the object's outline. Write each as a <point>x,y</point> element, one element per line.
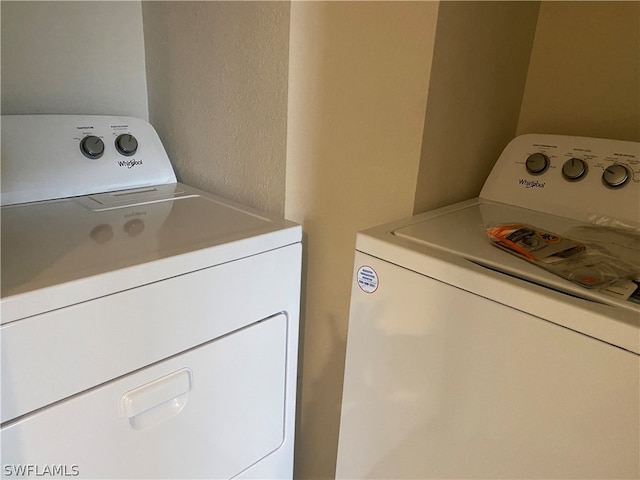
<point>590,265</point>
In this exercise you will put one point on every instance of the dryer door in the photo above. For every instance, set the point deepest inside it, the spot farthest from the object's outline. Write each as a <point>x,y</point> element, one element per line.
<point>210,412</point>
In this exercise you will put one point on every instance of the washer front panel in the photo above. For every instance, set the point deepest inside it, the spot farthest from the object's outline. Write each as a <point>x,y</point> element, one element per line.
<point>443,383</point>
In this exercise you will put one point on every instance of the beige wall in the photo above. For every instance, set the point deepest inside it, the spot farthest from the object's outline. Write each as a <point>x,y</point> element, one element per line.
<point>584,77</point>
<point>73,57</point>
<point>217,80</point>
<point>480,63</point>
<point>341,115</point>
<point>358,76</point>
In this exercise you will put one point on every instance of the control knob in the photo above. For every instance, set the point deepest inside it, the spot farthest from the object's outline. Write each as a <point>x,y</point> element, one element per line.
<point>574,169</point>
<point>615,175</point>
<point>537,163</point>
<point>92,147</point>
<point>126,144</point>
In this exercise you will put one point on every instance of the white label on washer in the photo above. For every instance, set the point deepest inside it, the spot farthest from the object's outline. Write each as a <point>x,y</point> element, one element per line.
<point>367,279</point>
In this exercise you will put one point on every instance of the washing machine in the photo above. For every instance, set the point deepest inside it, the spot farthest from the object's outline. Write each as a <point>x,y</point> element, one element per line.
<point>467,361</point>
<point>149,329</point>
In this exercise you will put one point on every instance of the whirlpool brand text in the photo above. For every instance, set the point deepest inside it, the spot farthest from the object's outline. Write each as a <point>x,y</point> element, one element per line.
<point>129,163</point>
<point>531,183</point>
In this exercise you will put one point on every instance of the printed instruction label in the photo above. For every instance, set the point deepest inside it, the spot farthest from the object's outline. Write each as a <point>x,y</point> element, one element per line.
<point>367,279</point>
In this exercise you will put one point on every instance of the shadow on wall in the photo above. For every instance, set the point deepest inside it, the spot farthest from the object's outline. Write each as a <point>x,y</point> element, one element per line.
<point>357,91</point>
<point>318,410</point>
<point>325,410</point>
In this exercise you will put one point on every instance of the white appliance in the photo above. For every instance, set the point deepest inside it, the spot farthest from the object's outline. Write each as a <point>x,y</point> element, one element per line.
<point>465,361</point>
<point>149,329</point>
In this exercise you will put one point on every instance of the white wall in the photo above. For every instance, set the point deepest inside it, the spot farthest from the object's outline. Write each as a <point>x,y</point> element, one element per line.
<point>73,57</point>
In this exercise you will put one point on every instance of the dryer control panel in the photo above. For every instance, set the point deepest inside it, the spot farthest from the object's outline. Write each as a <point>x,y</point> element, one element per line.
<point>47,157</point>
<point>589,179</point>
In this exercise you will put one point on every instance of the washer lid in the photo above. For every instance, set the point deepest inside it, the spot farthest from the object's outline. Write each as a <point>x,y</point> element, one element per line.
<point>450,245</point>
<point>463,232</point>
<point>61,252</point>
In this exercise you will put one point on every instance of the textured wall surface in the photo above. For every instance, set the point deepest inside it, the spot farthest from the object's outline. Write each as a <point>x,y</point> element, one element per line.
<point>73,57</point>
<point>217,80</point>
<point>340,115</point>
<point>358,77</point>
<point>480,64</point>
<point>584,77</point>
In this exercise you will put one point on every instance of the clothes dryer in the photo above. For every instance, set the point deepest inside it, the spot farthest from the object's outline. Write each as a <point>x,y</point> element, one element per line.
<point>149,329</point>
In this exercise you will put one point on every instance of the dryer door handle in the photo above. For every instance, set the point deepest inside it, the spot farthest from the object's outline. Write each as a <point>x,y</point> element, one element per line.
<point>158,400</point>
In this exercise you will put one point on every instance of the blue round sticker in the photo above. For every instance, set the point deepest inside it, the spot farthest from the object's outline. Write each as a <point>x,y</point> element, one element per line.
<point>367,279</point>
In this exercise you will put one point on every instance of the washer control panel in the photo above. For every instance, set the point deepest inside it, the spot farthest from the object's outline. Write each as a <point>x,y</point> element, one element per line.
<point>47,157</point>
<point>577,177</point>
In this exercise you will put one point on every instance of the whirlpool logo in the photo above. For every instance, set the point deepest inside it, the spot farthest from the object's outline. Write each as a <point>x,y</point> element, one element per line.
<point>531,183</point>
<point>129,163</point>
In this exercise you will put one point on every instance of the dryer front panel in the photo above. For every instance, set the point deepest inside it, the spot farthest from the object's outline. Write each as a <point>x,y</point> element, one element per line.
<point>47,358</point>
<point>211,412</point>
